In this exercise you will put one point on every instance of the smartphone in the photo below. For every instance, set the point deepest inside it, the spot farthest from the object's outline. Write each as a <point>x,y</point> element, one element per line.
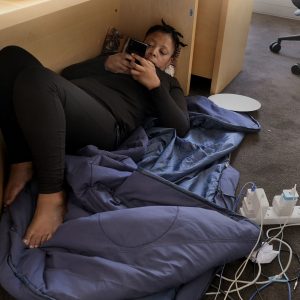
<point>137,47</point>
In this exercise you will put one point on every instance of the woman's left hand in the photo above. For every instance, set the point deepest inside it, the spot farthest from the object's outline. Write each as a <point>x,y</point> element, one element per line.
<point>145,72</point>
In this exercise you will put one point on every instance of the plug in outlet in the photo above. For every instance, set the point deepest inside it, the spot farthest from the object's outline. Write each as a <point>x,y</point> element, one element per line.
<point>256,207</point>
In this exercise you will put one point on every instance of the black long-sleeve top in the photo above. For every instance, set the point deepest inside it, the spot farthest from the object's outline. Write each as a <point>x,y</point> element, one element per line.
<point>128,100</point>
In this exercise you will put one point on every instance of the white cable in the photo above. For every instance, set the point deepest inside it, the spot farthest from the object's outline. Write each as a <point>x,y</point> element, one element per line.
<point>249,283</point>
<point>244,264</point>
<point>280,227</point>
<point>279,259</point>
<point>219,287</point>
<point>278,275</point>
<point>288,263</point>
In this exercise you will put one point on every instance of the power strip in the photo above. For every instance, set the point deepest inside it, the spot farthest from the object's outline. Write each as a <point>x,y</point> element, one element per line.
<point>256,208</point>
<point>272,218</point>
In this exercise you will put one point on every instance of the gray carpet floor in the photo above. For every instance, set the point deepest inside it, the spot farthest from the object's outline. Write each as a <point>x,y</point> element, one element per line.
<point>271,158</point>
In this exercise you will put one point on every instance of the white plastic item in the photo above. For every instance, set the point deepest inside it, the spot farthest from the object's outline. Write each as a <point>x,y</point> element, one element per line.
<point>255,205</point>
<point>284,205</point>
<point>264,255</point>
<point>235,102</point>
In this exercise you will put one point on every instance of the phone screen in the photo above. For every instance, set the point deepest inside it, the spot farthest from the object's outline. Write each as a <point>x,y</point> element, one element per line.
<point>137,47</point>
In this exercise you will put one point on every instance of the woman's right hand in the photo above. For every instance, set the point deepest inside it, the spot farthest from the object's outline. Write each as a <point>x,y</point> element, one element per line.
<point>119,63</point>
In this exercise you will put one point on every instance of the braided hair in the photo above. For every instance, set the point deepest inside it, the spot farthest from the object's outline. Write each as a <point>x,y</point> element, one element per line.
<point>165,28</point>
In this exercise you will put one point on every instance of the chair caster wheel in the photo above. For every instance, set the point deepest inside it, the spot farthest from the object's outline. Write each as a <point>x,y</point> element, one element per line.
<point>275,47</point>
<point>296,69</point>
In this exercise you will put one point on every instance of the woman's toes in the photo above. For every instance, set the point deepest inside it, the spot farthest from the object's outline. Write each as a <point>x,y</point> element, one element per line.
<point>45,238</point>
<point>27,239</point>
<point>33,241</point>
<point>48,216</point>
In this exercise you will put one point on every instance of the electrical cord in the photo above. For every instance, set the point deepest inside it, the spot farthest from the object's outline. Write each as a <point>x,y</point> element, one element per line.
<point>255,281</point>
<point>248,283</point>
<point>265,284</point>
<point>219,288</point>
<point>252,297</point>
<point>256,287</point>
<point>258,290</point>
<point>273,279</point>
<point>221,291</point>
<point>242,193</point>
<point>243,266</point>
<point>284,274</point>
<point>296,278</point>
<point>280,227</point>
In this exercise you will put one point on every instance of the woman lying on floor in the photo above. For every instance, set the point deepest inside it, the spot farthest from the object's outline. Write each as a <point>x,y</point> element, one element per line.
<point>44,115</point>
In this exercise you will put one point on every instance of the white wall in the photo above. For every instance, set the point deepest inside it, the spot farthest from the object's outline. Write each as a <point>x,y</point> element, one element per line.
<point>280,8</point>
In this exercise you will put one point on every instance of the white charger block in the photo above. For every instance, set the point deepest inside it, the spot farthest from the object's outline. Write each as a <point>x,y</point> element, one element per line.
<point>255,204</point>
<point>283,207</point>
<point>256,207</point>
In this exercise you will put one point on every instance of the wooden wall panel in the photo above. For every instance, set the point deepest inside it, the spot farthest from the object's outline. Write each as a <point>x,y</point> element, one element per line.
<point>234,26</point>
<point>62,38</point>
<point>207,30</point>
<point>77,33</point>
<point>15,12</point>
<point>66,36</point>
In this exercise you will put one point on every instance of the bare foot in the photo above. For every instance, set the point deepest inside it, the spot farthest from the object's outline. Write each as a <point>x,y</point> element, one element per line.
<point>20,174</point>
<point>49,214</point>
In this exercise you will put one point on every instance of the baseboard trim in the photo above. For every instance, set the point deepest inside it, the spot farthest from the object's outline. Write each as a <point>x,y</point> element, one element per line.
<point>275,10</point>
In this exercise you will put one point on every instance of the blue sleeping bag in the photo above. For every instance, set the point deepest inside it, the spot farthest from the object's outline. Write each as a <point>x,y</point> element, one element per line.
<point>151,220</point>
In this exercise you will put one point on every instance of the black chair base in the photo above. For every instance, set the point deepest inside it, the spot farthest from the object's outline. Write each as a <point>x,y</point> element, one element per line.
<point>296,69</point>
<point>275,47</point>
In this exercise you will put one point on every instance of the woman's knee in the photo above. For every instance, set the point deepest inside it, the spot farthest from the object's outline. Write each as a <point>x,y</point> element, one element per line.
<point>36,84</point>
<point>17,56</point>
<point>12,50</point>
<point>33,78</point>
<point>13,53</point>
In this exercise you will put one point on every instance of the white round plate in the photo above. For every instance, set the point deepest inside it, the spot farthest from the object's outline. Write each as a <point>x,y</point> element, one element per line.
<point>235,102</point>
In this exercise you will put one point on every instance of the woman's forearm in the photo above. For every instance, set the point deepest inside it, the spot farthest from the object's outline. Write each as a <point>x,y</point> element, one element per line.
<point>171,113</point>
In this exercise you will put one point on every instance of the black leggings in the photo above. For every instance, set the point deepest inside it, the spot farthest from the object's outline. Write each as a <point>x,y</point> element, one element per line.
<point>43,116</point>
